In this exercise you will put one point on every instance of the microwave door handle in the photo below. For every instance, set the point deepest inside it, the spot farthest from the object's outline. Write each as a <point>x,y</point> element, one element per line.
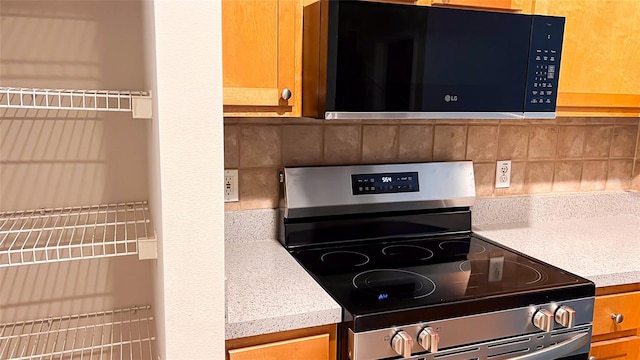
<point>558,350</point>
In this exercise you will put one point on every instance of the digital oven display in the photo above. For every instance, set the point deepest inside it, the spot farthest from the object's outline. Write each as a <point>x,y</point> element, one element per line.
<point>384,183</point>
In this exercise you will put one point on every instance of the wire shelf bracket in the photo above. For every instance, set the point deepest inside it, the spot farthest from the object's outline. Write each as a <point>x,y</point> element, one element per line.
<point>73,233</point>
<point>138,102</point>
<point>124,334</point>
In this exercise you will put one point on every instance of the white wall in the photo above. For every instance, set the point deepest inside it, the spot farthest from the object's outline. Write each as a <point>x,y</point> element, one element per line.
<point>189,161</point>
<point>155,193</point>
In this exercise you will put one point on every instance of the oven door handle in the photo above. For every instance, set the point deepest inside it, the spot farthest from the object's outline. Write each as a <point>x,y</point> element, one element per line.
<point>558,350</point>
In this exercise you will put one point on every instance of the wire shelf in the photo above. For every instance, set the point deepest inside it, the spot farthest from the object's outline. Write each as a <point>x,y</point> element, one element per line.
<point>64,99</point>
<point>73,233</point>
<point>115,335</point>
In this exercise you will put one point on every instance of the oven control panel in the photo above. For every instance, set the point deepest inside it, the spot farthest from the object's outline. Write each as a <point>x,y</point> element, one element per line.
<point>384,183</point>
<point>359,189</point>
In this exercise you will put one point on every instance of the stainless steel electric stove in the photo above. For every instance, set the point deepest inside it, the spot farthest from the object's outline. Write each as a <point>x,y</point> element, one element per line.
<point>393,245</point>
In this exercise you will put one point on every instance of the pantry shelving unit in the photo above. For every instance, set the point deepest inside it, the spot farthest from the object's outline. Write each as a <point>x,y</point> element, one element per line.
<point>117,334</point>
<point>73,233</point>
<point>29,237</point>
<point>137,102</point>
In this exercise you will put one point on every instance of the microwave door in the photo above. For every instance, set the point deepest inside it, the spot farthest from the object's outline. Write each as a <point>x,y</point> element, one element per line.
<point>475,61</point>
<point>376,62</point>
<point>392,61</point>
<point>399,72</point>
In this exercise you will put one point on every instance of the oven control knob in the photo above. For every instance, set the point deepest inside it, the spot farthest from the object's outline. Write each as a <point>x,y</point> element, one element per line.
<point>402,343</point>
<point>565,316</point>
<point>543,320</point>
<point>428,339</point>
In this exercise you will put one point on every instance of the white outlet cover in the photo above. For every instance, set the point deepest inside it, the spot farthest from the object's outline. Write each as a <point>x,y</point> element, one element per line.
<point>231,185</point>
<point>503,174</point>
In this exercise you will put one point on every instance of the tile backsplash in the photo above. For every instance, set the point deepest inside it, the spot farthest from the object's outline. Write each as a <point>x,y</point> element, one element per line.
<point>548,156</point>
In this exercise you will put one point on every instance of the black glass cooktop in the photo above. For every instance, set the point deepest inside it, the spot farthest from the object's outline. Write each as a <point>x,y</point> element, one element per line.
<point>380,284</point>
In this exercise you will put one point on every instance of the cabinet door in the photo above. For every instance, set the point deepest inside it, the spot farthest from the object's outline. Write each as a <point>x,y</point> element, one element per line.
<point>258,55</point>
<point>625,348</point>
<point>489,4</point>
<point>600,56</point>
<point>308,348</point>
<point>619,304</point>
<point>520,6</point>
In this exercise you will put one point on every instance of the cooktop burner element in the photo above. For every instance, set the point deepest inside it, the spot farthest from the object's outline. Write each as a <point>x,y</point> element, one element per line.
<point>345,258</point>
<point>408,252</point>
<point>499,270</point>
<point>461,247</point>
<point>389,284</point>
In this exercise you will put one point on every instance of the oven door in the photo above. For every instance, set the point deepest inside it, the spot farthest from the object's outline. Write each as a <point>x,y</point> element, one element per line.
<point>575,347</point>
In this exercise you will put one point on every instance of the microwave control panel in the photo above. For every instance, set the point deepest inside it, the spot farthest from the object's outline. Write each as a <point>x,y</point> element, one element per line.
<point>544,63</point>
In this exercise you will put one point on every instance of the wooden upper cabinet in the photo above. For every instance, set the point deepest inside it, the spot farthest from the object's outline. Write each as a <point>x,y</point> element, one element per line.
<point>507,5</point>
<point>600,64</point>
<point>261,57</point>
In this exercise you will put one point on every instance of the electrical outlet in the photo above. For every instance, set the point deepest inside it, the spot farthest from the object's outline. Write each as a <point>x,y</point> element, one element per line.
<point>503,174</point>
<point>231,185</point>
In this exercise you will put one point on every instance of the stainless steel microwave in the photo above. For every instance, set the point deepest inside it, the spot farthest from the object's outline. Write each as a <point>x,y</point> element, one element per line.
<point>370,60</point>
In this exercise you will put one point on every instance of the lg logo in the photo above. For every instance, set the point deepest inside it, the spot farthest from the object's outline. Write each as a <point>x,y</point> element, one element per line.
<point>450,98</point>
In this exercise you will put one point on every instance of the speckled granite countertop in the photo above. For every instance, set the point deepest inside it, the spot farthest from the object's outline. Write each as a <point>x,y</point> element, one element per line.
<point>595,235</point>
<point>267,291</point>
<point>605,250</point>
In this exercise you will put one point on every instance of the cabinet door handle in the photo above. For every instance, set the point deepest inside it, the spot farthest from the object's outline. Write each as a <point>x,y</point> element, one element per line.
<point>286,94</point>
<point>619,318</point>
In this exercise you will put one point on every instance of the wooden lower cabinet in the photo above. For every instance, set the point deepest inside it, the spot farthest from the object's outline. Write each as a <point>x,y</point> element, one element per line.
<point>613,340</point>
<point>317,343</point>
<point>310,348</point>
<point>626,348</point>
<point>625,304</point>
